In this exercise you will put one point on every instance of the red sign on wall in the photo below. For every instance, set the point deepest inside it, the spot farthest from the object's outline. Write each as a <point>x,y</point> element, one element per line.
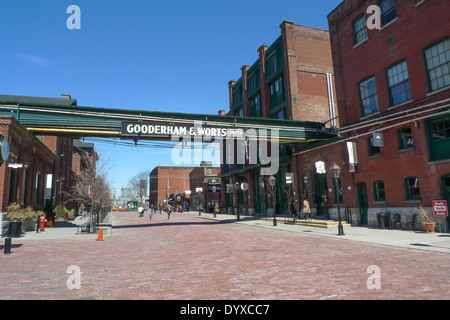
<point>440,208</point>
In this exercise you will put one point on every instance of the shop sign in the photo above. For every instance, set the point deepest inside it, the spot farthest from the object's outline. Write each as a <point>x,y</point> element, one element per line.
<point>320,167</point>
<point>15,165</point>
<point>440,208</point>
<point>160,130</point>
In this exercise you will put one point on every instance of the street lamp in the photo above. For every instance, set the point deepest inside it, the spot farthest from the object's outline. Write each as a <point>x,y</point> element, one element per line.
<point>236,187</point>
<point>335,173</point>
<point>272,184</point>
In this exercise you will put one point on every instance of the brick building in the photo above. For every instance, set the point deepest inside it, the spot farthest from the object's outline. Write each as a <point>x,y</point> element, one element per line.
<point>292,79</point>
<point>167,180</point>
<point>205,188</point>
<point>393,97</point>
<point>29,169</point>
<point>39,169</point>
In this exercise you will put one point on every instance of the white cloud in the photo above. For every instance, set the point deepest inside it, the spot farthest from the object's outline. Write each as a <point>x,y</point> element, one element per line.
<point>38,61</point>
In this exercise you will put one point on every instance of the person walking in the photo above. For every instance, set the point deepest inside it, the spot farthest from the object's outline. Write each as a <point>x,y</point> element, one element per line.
<point>306,209</point>
<point>169,211</point>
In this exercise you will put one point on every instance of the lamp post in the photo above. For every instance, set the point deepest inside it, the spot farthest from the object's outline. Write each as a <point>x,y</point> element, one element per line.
<point>272,184</point>
<point>236,187</point>
<point>335,173</point>
<point>214,189</point>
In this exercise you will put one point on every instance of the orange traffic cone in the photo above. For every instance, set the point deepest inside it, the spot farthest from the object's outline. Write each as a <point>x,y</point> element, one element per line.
<point>100,235</point>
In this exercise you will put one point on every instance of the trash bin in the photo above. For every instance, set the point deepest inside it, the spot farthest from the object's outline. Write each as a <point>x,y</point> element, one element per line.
<point>15,228</point>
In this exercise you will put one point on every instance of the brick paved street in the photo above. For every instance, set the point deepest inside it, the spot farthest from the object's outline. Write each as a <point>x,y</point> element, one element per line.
<point>191,258</point>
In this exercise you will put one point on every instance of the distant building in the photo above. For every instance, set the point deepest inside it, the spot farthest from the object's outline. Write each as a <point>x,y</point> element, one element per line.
<point>167,180</point>
<point>205,188</point>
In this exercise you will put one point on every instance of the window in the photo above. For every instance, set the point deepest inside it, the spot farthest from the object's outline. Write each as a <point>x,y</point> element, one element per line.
<point>438,133</point>
<point>253,82</point>
<point>412,188</point>
<point>437,60</point>
<point>368,96</point>
<point>405,138</point>
<point>398,82</point>
<point>272,65</point>
<point>359,30</point>
<point>388,12</point>
<point>276,92</point>
<point>440,129</point>
<point>239,112</point>
<point>281,115</point>
<point>255,106</point>
<point>378,190</point>
<point>372,150</point>
<point>237,96</point>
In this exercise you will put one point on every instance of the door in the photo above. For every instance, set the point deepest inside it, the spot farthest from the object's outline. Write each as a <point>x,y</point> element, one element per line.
<point>320,192</point>
<point>363,202</point>
<point>446,192</point>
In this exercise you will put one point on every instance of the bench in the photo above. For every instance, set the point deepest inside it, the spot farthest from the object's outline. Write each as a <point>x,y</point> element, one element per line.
<point>83,223</point>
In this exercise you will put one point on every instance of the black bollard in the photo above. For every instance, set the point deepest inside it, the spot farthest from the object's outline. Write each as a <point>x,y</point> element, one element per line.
<point>7,245</point>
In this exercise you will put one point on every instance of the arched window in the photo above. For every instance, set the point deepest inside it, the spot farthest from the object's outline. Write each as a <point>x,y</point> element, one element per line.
<point>412,188</point>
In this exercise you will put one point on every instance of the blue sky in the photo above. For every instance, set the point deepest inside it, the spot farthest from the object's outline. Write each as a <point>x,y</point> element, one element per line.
<point>174,56</point>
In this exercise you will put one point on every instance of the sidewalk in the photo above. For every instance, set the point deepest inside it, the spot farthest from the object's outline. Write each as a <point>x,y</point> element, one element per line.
<point>65,230</point>
<point>419,240</point>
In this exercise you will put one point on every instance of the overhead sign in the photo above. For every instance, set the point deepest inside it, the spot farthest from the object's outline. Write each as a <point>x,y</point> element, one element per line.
<point>440,208</point>
<point>15,165</point>
<point>158,129</point>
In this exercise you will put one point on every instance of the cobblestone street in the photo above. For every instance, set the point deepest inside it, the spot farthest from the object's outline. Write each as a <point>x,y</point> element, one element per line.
<point>191,258</point>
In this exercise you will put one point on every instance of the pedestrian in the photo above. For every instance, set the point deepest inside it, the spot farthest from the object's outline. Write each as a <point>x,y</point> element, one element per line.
<point>160,208</point>
<point>169,211</point>
<point>306,209</point>
<point>295,210</point>
<point>150,215</point>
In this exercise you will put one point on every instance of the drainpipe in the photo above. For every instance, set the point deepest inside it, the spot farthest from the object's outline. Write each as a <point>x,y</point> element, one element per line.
<point>331,100</point>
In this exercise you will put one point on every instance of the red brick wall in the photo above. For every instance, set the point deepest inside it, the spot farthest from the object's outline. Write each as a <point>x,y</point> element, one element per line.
<point>405,38</point>
<point>307,55</point>
<point>415,29</point>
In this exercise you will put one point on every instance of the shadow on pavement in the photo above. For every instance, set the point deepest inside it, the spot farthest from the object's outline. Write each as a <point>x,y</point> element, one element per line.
<point>163,224</point>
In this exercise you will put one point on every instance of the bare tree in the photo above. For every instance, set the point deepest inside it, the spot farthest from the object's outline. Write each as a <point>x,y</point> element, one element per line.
<point>139,184</point>
<point>91,188</point>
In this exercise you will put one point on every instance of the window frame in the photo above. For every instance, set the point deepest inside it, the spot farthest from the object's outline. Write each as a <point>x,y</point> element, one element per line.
<point>408,189</point>
<point>428,70</point>
<point>392,97</point>
<point>376,191</point>
<point>383,15</point>
<point>402,145</point>
<point>363,113</point>
<point>358,32</point>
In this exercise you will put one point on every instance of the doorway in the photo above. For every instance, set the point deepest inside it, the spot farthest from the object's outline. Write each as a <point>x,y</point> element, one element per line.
<point>320,192</point>
<point>363,202</point>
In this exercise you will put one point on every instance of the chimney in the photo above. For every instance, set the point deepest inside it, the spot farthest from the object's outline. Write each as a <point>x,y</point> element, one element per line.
<point>65,96</point>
